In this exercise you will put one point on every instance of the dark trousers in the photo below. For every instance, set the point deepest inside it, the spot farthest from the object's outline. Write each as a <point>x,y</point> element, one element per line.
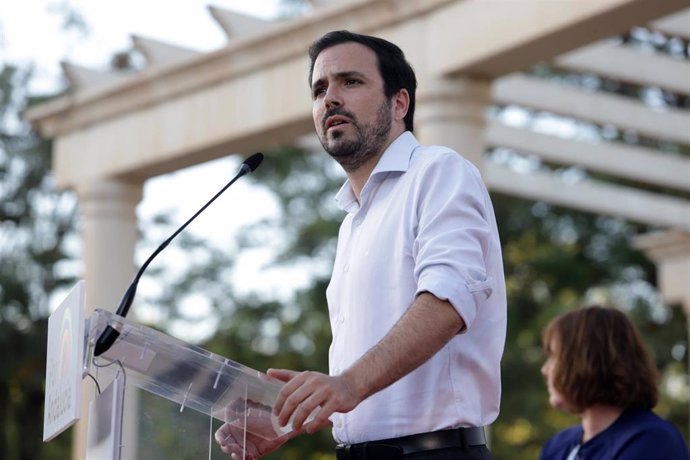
<point>452,453</point>
<point>458,444</point>
<point>455,453</point>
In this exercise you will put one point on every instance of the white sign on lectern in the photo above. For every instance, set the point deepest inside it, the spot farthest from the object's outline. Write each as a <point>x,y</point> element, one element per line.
<point>64,363</point>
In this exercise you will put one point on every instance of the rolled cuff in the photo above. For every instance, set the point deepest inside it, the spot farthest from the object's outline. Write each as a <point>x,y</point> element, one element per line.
<point>465,298</point>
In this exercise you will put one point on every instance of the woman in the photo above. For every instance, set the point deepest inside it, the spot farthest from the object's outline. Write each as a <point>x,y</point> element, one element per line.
<point>598,367</point>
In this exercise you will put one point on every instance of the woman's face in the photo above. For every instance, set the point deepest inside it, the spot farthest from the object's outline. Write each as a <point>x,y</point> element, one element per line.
<point>556,399</point>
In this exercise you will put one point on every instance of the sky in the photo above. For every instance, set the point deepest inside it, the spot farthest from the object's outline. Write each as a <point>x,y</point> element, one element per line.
<point>187,23</point>
<point>109,24</point>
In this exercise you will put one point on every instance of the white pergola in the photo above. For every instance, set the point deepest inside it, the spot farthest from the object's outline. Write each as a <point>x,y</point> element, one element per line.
<point>114,131</point>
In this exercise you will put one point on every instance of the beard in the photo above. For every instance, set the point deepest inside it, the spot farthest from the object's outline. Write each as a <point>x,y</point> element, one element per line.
<point>367,141</point>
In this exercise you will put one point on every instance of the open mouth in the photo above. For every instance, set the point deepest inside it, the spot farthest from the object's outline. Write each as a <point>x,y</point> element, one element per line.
<point>335,121</point>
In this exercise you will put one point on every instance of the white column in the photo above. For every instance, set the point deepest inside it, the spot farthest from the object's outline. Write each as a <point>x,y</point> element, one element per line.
<point>109,234</point>
<point>452,112</point>
<point>109,231</point>
<point>670,251</point>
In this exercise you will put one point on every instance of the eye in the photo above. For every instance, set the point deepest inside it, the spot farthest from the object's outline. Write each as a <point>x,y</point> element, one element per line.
<point>318,91</point>
<point>352,82</point>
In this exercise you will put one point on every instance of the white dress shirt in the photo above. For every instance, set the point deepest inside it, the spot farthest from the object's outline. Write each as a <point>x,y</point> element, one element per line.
<point>425,223</point>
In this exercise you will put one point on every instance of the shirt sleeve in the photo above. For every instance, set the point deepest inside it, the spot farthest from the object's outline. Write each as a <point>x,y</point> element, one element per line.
<point>453,234</point>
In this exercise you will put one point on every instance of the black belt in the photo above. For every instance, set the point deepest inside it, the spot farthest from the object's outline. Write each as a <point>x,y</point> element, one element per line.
<point>444,439</point>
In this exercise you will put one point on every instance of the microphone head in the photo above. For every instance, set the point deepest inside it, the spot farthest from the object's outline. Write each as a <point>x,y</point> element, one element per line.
<point>254,161</point>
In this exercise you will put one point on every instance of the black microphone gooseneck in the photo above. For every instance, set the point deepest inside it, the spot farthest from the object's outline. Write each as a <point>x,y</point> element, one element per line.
<point>109,335</point>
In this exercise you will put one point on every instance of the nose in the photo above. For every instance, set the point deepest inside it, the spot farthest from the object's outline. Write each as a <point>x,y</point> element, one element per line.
<point>332,98</point>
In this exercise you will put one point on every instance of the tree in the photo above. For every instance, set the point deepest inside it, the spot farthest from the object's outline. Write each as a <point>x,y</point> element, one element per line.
<point>555,260</point>
<point>36,224</point>
<point>294,332</point>
<point>257,329</point>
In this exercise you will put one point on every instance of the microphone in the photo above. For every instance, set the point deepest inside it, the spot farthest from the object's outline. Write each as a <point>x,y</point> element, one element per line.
<point>109,335</point>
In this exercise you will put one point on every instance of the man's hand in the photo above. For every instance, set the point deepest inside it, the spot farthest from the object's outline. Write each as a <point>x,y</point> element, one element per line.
<point>307,392</point>
<point>231,440</point>
<point>261,437</point>
<point>423,330</point>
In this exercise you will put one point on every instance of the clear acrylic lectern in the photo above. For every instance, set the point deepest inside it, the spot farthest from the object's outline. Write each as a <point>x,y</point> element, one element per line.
<point>185,374</point>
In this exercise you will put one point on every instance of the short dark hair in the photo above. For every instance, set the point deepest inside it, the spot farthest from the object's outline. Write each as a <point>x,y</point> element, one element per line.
<point>396,72</point>
<point>600,358</point>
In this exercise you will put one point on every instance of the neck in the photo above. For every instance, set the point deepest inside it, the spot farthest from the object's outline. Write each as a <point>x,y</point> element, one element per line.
<point>597,418</point>
<point>359,177</point>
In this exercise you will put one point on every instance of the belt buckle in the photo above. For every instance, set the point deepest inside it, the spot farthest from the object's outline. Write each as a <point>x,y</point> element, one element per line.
<point>343,452</point>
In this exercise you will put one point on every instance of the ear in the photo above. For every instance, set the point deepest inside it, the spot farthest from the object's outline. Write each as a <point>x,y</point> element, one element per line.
<point>401,102</point>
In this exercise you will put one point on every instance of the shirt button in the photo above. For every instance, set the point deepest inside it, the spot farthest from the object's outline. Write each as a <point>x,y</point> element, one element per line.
<point>341,319</point>
<point>346,268</point>
<point>358,221</point>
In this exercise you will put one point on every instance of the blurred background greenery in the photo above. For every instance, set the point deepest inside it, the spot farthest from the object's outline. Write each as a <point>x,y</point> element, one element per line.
<point>555,260</point>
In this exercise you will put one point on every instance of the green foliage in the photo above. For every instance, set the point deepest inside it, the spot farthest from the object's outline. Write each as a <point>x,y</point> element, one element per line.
<point>555,260</point>
<point>257,329</point>
<point>291,333</point>
<point>35,223</point>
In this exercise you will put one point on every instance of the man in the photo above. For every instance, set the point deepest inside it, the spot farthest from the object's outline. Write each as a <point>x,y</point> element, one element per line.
<point>417,297</point>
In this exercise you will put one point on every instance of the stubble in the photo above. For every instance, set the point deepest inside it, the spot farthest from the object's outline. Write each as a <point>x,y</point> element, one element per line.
<point>367,142</point>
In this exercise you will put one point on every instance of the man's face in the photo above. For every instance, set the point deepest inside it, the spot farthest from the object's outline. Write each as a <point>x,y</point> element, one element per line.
<point>351,113</point>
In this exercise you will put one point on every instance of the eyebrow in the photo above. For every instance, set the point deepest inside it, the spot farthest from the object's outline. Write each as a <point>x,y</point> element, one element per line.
<point>339,76</point>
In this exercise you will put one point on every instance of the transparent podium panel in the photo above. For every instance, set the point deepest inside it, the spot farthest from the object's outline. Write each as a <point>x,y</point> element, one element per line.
<point>166,433</point>
<point>189,376</point>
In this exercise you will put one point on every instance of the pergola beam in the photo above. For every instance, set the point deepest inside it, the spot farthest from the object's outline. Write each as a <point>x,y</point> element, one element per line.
<point>590,196</point>
<point>521,33</point>
<point>677,24</point>
<point>81,78</point>
<point>210,105</point>
<point>625,161</point>
<point>630,65</point>
<point>236,25</point>
<point>159,53</point>
<point>627,113</point>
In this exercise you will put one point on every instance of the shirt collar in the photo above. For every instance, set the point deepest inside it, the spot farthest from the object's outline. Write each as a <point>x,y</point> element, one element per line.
<point>396,158</point>
<point>397,155</point>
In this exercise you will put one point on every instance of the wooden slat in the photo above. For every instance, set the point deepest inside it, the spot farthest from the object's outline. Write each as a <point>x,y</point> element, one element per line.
<point>490,38</point>
<point>668,124</point>
<point>595,197</point>
<point>80,77</point>
<point>157,52</point>
<point>630,65</point>
<point>677,24</point>
<point>625,161</point>
<point>236,25</point>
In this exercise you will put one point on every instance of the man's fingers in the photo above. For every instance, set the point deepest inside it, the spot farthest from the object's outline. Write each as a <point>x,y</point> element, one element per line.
<point>282,374</point>
<point>305,408</point>
<point>223,435</point>
<point>317,423</point>
<point>219,436</point>
<point>299,389</point>
<point>240,456</point>
<point>321,415</point>
<point>287,376</point>
<point>295,382</point>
